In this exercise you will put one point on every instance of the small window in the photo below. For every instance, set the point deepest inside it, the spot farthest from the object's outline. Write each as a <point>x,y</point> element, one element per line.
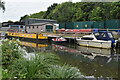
<point>87,38</point>
<point>37,26</point>
<point>110,35</point>
<point>29,27</point>
<point>97,34</point>
<point>33,27</point>
<point>21,26</point>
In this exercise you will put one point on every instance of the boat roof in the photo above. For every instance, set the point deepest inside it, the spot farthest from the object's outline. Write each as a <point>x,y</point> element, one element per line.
<point>102,31</point>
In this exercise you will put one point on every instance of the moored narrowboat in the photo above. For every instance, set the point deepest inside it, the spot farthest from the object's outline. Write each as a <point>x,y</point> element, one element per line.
<point>26,36</point>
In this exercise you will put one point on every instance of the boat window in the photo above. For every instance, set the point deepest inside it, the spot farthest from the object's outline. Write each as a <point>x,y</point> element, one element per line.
<point>110,35</point>
<point>97,34</point>
<point>103,35</point>
<point>87,38</point>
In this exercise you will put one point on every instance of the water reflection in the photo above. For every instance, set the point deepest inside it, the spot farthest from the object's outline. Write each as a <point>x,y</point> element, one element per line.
<point>34,47</point>
<point>90,61</point>
<point>30,44</point>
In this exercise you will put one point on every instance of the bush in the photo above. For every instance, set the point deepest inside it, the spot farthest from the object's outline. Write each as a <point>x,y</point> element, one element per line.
<point>33,65</point>
<point>64,71</point>
<point>36,67</point>
<point>11,50</point>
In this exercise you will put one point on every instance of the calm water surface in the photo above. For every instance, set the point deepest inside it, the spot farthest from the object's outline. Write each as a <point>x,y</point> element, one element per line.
<point>90,61</point>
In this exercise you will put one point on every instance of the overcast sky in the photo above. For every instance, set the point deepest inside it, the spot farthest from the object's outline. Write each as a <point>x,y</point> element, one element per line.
<point>17,8</point>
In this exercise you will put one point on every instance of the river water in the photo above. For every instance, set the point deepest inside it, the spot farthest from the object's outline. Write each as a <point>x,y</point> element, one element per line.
<point>92,62</point>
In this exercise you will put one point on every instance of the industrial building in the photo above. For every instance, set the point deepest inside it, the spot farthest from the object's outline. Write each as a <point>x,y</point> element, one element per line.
<point>40,27</point>
<point>34,20</point>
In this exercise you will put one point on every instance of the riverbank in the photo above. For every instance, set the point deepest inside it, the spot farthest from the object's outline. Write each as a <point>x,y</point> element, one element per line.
<point>18,64</point>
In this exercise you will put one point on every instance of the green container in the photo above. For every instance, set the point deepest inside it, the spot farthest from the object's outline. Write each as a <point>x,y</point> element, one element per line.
<point>78,25</point>
<point>62,25</point>
<point>69,25</point>
<point>112,24</point>
<point>83,25</point>
<point>98,25</point>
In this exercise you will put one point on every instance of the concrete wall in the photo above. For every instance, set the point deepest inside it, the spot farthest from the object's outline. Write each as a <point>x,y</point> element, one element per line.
<point>37,28</point>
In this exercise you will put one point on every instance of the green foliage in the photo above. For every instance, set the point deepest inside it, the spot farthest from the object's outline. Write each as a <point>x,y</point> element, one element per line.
<point>44,65</point>
<point>39,15</point>
<point>80,11</point>
<point>47,14</point>
<point>36,67</point>
<point>32,65</point>
<point>96,14</point>
<point>63,12</point>
<point>11,50</point>
<point>64,71</point>
<point>5,73</point>
<point>24,17</point>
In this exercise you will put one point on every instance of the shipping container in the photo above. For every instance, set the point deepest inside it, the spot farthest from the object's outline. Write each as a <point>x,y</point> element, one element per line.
<point>69,25</point>
<point>112,24</point>
<point>98,25</point>
<point>108,24</point>
<point>83,25</point>
<point>78,25</point>
<point>62,25</point>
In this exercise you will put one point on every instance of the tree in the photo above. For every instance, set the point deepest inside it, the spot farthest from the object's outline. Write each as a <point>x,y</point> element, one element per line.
<point>96,14</point>
<point>49,10</point>
<point>115,11</point>
<point>39,15</point>
<point>2,5</point>
<point>23,18</point>
<point>81,11</point>
<point>63,12</point>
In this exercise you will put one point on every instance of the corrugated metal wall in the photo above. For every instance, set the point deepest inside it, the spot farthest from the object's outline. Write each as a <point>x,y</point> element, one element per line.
<point>108,24</point>
<point>98,25</point>
<point>69,25</point>
<point>78,25</point>
<point>61,25</point>
<point>112,24</point>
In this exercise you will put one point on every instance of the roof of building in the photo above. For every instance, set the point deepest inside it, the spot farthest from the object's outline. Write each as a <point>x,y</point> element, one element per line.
<point>4,28</point>
<point>42,19</point>
<point>36,24</point>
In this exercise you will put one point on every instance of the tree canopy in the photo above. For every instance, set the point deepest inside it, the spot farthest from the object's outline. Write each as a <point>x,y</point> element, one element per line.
<point>80,11</point>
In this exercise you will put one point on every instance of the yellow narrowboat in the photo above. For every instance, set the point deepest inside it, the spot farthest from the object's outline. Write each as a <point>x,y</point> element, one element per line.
<point>26,35</point>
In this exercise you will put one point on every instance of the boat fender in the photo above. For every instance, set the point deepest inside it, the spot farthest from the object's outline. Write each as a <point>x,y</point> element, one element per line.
<point>113,43</point>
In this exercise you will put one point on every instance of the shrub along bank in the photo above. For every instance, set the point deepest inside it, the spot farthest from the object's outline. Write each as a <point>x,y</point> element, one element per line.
<point>17,63</point>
